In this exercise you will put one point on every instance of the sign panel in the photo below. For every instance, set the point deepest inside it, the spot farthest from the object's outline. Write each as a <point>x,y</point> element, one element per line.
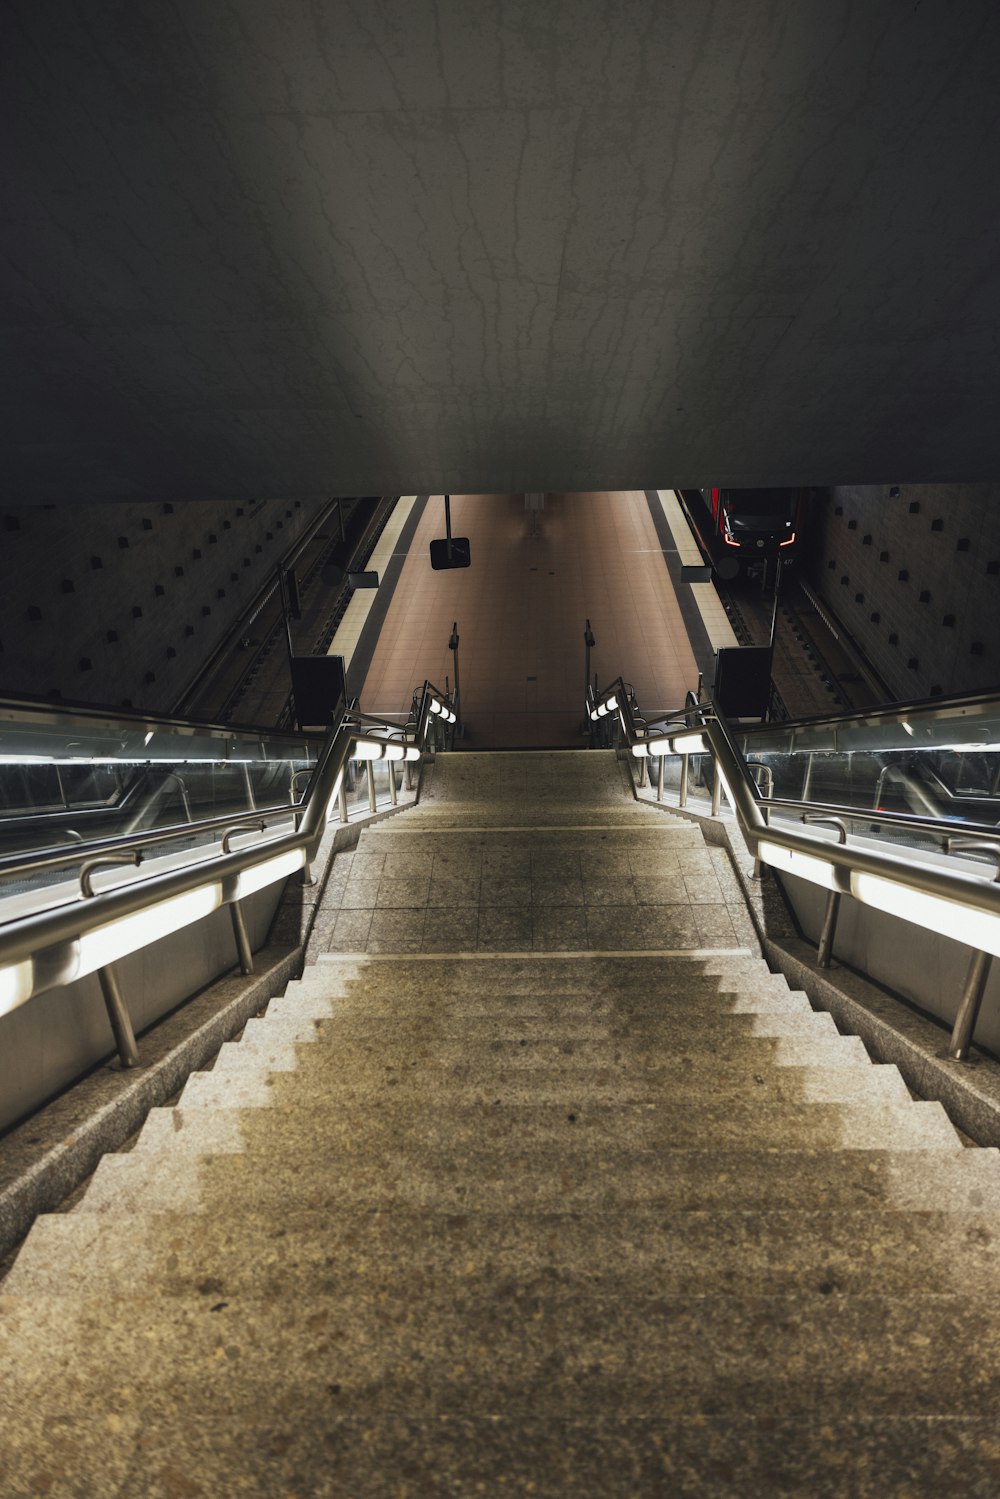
<point>743,680</point>
<point>363,580</point>
<point>452,551</point>
<point>318,686</point>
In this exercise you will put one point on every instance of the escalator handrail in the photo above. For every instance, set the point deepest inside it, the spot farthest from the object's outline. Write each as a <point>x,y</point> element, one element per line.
<point>51,935</point>
<point>941,882</point>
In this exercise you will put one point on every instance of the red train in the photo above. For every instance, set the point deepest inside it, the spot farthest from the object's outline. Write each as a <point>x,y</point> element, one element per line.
<point>744,529</point>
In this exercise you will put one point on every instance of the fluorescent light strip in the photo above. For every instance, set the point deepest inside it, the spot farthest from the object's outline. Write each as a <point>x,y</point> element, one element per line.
<point>687,744</point>
<point>805,866</point>
<point>126,934</point>
<point>17,980</point>
<point>978,929</point>
<point>259,876</point>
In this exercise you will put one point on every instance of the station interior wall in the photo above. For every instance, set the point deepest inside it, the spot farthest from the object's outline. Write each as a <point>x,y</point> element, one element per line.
<point>913,573</point>
<point>120,604</point>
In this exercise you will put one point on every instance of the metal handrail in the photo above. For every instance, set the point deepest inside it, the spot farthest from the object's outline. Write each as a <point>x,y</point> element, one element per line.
<point>958,704</point>
<point>838,866</point>
<point>61,858</point>
<point>42,950</point>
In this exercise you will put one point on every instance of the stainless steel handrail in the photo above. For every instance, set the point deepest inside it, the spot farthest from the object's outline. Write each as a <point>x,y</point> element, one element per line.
<point>60,858</point>
<point>957,705</point>
<point>844,862</point>
<point>42,950</point>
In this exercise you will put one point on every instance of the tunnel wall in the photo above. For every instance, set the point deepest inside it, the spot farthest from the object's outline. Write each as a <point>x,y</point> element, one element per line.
<point>913,573</point>
<point>120,604</point>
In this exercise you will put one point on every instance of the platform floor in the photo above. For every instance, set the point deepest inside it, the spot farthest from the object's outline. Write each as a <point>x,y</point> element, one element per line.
<point>536,575</point>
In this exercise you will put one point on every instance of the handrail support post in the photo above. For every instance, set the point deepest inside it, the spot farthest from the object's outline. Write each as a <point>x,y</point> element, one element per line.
<point>370,768</point>
<point>121,1021</point>
<point>243,949</point>
<point>824,951</point>
<point>968,1010</point>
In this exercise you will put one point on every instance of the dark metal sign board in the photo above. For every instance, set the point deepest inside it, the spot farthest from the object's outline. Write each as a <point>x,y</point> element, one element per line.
<point>743,680</point>
<point>692,572</point>
<point>451,551</point>
<point>363,580</point>
<point>318,685</point>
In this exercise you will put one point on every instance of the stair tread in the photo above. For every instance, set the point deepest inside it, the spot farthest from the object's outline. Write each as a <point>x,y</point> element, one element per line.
<point>553,1349</point>
<point>416,1252</point>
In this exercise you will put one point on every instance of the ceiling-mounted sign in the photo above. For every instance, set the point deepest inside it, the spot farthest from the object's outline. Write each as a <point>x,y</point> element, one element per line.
<point>451,551</point>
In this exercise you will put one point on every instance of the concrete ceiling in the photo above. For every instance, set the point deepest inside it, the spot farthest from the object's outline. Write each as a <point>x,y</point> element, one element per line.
<point>309,247</point>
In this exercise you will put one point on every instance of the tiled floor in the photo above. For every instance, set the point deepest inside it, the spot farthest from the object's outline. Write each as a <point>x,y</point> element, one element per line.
<point>535,577</point>
<point>519,892</point>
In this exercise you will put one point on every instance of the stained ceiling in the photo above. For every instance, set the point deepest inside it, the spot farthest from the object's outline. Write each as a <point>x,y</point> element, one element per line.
<point>307,248</point>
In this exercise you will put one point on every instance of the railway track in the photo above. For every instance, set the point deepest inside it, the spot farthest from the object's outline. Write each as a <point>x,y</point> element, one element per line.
<point>815,668</point>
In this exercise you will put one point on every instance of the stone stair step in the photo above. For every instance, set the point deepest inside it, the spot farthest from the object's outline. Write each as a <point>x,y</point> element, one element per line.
<point>343,1077</point>
<point>532,1044</point>
<point>546,1349</point>
<point>521,1130</point>
<point>559,970</point>
<point>778,1019</point>
<point>408,1251</point>
<point>217,1149</point>
<point>567,1086</point>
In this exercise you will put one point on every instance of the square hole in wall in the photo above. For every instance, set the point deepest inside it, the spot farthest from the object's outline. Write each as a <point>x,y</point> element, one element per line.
<point>903,575</point>
<point>914,507</point>
<point>883,556</point>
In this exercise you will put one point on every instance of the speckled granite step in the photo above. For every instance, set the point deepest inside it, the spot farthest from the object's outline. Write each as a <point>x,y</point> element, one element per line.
<point>416,1252</point>
<point>220,1168</point>
<point>533,1041</point>
<point>318,1449</point>
<point>557,972</point>
<point>522,1130</point>
<point>519,1349</point>
<point>611,1083</point>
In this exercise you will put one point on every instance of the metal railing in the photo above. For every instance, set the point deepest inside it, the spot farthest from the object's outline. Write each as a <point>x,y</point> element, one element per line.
<point>88,934</point>
<point>946,900</point>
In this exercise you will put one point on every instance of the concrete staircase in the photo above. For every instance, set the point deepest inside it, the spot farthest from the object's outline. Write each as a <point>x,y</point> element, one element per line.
<point>499,1218</point>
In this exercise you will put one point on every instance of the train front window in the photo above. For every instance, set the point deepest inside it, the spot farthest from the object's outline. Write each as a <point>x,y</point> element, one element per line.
<point>755,504</point>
